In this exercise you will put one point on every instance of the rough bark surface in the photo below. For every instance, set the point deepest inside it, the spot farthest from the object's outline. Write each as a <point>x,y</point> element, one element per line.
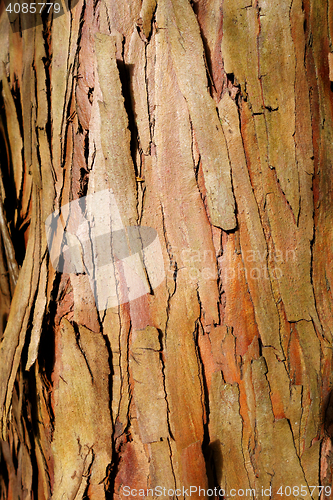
<point>211,121</point>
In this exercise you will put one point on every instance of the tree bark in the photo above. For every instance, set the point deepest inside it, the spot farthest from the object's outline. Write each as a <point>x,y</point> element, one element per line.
<point>210,122</point>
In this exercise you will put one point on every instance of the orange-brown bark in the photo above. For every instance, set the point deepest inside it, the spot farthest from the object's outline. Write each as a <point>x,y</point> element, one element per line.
<point>211,122</point>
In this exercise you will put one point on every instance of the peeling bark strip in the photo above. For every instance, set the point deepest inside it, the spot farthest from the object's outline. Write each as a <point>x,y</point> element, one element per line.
<point>212,123</point>
<point>81,441</point>
<point>183,37</point>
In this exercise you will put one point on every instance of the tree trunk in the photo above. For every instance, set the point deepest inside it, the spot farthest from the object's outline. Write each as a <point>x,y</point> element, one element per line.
<point>206,125</point>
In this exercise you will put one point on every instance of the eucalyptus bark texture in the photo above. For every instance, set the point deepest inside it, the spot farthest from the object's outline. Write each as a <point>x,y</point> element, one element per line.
<point>211,121</point>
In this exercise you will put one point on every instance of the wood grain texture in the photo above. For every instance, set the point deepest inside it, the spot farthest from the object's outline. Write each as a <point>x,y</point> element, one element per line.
<point>211,122</point>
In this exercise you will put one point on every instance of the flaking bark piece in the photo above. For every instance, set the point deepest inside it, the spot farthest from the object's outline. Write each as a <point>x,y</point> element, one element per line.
<point>252,237</point>
<point>39,310</point>
<point>148,391</point>
<point>239,49</point>
<point>82,435</point>
<point>13,130</point>
<point>14,337</point>
<point>273,469</point>
<point>225,430</point>
<point>186,48</point>
<point>115,135</point>
<point>277,73</point>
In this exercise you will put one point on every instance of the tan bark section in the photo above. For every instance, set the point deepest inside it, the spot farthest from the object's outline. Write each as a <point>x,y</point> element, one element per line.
<point>211,122</point>
<point>226,434</point>
<point>83,450</point>
<point>252,239</point>
<point>115,136</point>
<point>186,54</point>
<point>148,390</point>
